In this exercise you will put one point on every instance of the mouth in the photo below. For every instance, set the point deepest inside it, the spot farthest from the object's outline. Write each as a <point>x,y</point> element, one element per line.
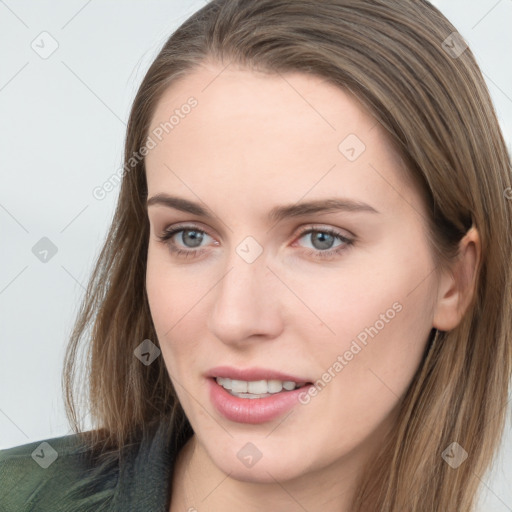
<point>257,388</point>
<point>254,395</point>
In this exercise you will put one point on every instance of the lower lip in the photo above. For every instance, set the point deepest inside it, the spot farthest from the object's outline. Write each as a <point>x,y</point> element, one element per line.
<point>253,410</point>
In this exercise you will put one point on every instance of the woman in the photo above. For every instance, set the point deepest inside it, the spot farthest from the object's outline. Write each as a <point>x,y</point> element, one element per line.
<point>303,302</point>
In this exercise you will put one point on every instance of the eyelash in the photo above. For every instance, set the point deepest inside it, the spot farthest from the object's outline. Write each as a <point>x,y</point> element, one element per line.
<point>166,236</point>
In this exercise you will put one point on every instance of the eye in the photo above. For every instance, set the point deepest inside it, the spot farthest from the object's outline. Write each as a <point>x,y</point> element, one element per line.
<point>323,242</point>
<point>184,240</point>
<point>187,241</point>
<point>191,238</point>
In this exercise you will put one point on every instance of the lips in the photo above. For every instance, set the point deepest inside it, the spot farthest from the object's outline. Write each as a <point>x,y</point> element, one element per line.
<point>254,396</point>
<point>253,374</point>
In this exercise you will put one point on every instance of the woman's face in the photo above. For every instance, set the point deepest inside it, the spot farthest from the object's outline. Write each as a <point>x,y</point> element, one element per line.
<point>303,260</point>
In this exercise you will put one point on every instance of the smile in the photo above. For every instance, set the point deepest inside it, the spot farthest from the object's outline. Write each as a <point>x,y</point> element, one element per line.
<point>254,395</point>
<point>256,388</point>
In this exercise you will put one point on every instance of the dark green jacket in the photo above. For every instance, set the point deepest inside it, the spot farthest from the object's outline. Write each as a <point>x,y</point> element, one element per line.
<point>138,481</point>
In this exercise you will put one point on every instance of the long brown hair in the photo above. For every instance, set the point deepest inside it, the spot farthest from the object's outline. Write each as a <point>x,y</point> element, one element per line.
<point>404,61</point>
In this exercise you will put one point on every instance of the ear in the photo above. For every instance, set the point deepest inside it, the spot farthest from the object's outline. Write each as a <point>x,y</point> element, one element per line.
<point>457,285</point>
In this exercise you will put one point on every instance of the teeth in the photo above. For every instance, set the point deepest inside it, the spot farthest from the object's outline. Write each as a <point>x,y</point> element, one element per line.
<point>288,385</point>
<point>238,386</point>
<point>256,389</point>
<point>274,386</point>
<point>225,383</point>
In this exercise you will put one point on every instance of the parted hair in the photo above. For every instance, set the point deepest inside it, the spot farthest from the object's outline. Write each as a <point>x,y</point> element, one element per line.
<point>406,64</point>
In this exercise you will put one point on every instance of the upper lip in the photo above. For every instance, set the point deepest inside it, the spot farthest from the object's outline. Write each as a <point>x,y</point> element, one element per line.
<point>253,374</point>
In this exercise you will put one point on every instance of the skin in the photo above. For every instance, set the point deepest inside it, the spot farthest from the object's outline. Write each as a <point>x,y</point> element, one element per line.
<point>254,142</point>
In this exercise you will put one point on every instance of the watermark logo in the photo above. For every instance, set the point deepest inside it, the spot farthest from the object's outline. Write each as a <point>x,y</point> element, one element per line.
<point>45,455</point>
<point>44,250</point>
<point>454,455</point>
<point>454,45</point>
<point>44,45</point>
<point>249,455</point>
<point>147,352</point>
<point>351,147</point>
<point>249,249</point>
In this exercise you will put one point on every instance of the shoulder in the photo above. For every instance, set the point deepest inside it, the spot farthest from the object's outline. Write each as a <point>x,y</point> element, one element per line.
<point>62,474</point>
<point>55,474</point>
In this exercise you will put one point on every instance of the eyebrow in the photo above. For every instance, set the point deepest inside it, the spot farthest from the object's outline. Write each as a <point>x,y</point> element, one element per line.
<point>278,213</point>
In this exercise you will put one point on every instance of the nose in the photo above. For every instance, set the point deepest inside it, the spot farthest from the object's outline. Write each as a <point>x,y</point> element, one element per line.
<point>246,304</point>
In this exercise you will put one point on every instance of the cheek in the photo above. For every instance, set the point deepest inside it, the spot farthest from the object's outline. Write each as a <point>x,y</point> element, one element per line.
<point>364,369</point>
<point>171,297</point>
<point>374,323</point>
<point>387,298</point>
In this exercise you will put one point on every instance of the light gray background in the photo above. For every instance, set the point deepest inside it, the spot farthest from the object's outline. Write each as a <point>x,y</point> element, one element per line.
<point>62,127</point>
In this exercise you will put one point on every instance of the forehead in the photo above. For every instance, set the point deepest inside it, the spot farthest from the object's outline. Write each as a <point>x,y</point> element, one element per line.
<point>272,101</point>
<point>255,132</point>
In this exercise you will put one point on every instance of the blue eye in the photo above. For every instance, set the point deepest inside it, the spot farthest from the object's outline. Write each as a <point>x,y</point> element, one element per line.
<point>322,241</point>
<point>186,241</point>
<point>190,238</point>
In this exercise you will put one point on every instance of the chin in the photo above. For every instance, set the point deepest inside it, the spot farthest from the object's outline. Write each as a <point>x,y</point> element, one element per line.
<point>246,462</point>
<point>263,472</point>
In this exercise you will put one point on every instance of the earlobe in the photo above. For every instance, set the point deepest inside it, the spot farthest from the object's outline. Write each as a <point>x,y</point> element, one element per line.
<point>457,286</point>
